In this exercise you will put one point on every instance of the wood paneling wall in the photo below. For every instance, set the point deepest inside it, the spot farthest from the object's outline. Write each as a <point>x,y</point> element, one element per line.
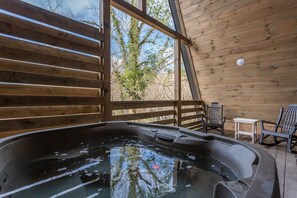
<point>50,73</point>
<point>264,33</point>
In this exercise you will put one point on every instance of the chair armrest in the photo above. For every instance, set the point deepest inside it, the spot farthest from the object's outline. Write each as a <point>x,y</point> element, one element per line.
<point>263,126</point>
<point>294,129</point>
<point>224,120</point>
<point>264,121</point>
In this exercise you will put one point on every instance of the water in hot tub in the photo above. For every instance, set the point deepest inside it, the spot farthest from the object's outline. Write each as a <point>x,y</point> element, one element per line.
<point>118,168</point>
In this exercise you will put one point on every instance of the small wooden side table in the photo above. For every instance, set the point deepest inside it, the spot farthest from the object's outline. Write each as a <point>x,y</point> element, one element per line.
<point>252,133</point>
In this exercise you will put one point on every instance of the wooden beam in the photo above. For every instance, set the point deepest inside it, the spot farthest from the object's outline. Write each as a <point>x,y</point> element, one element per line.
<point>106,76</point>
<point>145,18</point>
<point>177,79</point>
<point>185,49</point>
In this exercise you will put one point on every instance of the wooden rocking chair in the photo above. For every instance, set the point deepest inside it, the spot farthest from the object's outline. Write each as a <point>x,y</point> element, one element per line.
<point>214,118</point>
<point>284,128</point>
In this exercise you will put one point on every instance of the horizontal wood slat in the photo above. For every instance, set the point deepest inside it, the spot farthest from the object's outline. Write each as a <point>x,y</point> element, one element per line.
<point>138,116</point>
<point>167,121</point>
<point>14,43</point>
<point>191,124</point>
<point>13,101</point>
<point>198,127</point>
<point>191,110</point>
<point>53,121</point>
<point>120,105</point>
<point>35,68</point>
<point>190,117</point>
<point>38,90</point>
<point>19,77</point>
<point>22,55</point>
<point>21,28</point>
<point>191,102</point>
<point>18,112</point>
<point>42,15</point>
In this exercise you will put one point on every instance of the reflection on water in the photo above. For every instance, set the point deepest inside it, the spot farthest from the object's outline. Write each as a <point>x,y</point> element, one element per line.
<point>117,168</point>
<point>141,172</point>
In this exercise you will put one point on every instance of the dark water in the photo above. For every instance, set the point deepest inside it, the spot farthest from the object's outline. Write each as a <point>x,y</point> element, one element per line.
<point>118,168</point>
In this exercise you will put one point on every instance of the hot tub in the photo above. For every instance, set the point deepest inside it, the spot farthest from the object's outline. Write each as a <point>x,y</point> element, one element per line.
<point>124,159</point>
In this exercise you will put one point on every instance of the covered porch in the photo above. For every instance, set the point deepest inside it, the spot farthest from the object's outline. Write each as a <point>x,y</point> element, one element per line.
<point>57,71</point>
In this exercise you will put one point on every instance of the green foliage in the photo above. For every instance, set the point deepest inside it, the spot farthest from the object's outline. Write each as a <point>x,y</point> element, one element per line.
<point>143,52</point>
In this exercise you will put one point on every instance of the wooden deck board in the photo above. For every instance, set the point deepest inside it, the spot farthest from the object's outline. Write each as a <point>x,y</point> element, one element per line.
<point>286,164</point>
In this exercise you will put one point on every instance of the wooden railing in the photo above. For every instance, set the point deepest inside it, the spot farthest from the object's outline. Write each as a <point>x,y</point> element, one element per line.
<point>189,114</point>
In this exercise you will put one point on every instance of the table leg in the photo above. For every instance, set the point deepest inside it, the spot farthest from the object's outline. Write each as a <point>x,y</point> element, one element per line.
<point>256,131</point>
<point>238,126</point>
<point>235,130</point>
<point>253,133</point>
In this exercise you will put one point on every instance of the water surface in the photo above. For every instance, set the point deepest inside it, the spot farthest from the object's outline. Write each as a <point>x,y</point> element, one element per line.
<point>119,168</point>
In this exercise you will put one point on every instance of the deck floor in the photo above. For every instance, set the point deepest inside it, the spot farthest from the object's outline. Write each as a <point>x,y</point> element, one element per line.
<point>286,165</point>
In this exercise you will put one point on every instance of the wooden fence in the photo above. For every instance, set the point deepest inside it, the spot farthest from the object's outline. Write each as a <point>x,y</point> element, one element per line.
<point>51,69</point>
<point>166,112</point>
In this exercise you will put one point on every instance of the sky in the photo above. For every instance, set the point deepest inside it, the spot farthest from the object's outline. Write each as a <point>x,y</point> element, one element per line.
<point>79,8</point>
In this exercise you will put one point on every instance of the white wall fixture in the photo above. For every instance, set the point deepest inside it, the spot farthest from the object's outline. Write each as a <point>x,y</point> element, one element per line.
<point>240,62</point>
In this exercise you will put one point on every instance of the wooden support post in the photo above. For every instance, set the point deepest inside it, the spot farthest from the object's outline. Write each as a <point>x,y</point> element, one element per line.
<point>177,79</point>
<point>185,49</point>
<point>106,76</point>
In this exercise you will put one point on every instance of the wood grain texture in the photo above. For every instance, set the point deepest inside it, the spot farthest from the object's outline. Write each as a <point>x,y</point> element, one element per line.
<point>19,101</point>
<point>20,77</point>
<point>42,69</point>
<point>51,73</point>
<point>37,111</point>
<point>44,58</point>
<point>17,27</point>
<point>264,33</point>
<point>120,105</point>
<point>14,89</point>
<point>50,18</point>
<point>137,116</point>
<point>51,121</point>
<point>37,48</point>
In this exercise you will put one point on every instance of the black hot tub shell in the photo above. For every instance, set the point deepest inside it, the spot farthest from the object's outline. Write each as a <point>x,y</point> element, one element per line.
<point>255,169</point>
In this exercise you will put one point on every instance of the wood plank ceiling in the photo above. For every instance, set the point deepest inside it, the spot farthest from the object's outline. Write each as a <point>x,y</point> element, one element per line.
<point>264,34</point>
